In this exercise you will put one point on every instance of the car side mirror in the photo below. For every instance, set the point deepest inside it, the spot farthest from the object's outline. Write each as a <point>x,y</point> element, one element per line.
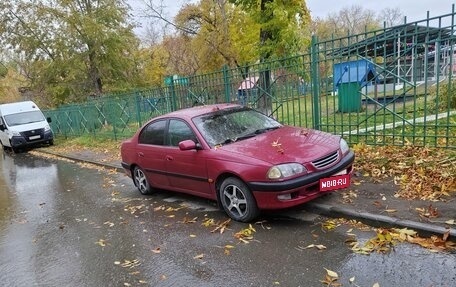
<point>49,120</point>
<point>2,127</point>
<point>188,145</point>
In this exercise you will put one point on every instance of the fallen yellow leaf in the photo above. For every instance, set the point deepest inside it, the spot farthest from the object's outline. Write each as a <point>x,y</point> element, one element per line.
<point>318,246</point>
<point>200,256</point>
<point>331,274</point>
<point>101,242</point>
<point>451,222</point>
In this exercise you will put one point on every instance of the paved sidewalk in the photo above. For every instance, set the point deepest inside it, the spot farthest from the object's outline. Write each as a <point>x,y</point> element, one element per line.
<point>366,201</point>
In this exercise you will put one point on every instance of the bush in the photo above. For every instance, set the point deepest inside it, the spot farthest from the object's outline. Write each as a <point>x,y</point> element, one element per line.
<point>446,98</point>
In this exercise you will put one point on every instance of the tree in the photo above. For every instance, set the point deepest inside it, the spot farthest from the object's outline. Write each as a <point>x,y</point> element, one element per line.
<point>10,84</point>
<point>220,33</point>
<point>279,25</point>
<point>354,20</point>
<point>172,56</point>
<point>391,17</point>
<point>70,49</point>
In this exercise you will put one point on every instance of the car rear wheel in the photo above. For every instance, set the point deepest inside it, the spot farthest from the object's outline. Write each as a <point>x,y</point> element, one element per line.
<point>141,181</point>
<point>237,200</point>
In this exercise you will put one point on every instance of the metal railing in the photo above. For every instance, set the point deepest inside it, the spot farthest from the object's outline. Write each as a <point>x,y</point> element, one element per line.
<point>392,86</point>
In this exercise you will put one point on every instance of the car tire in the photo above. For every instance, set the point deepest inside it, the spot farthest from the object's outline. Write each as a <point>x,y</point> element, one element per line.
<point>141,182</point>
<point>237,200</point>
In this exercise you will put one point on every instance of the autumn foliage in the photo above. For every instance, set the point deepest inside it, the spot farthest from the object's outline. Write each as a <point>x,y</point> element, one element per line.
<point>421,172</point>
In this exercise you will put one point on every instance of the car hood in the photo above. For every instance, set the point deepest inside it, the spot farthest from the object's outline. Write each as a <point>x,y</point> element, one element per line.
<point>286,144</point>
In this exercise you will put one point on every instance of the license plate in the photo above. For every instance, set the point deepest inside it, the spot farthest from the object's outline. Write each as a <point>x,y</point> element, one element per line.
<point>335,182</point>
<point>34,137</point>
<point>344,171</point>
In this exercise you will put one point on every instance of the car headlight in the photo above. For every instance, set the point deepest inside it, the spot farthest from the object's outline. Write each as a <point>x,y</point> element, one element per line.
<point>15,134</point>
<point>47,128</point>
<point>344,148</point>
<point>285,170</point>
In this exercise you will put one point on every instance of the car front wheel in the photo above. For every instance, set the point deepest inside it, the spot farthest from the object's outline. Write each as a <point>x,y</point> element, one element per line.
<point>237,200</point>
<point>141,181</point>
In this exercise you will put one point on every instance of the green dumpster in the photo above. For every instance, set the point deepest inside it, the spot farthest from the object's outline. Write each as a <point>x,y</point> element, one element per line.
<point>349,78</point>
<point>349,97</point>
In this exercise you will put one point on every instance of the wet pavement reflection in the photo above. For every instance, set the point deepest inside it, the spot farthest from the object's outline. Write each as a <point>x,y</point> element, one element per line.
<point>67,224</point>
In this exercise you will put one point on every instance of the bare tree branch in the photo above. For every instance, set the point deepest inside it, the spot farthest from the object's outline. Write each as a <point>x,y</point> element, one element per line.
<point>156,12</point>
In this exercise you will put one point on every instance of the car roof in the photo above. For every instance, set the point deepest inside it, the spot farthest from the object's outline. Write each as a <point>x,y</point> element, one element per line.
<point>192,112</point>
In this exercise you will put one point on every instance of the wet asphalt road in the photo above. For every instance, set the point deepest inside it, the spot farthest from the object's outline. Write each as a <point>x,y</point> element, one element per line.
<point>66,224</point>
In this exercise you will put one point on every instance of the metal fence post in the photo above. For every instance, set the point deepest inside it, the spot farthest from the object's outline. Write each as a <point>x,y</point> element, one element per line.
<point>173,95</point>
<point>169,83</point>
<point>315,84</point>
<point>138,108</point>
<point>227,84</point>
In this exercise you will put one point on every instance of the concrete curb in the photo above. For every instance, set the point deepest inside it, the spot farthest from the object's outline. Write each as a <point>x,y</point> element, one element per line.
<point>378,220</point>
<point>117,168</point>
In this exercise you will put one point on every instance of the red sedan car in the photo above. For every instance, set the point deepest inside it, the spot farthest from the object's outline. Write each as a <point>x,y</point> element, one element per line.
<point>237,156</point>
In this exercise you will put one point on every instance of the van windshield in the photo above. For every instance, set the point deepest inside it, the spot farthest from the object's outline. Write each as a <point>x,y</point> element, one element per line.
<point>24,118</point>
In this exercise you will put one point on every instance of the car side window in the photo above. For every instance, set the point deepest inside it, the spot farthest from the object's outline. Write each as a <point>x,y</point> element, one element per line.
<point>179,131</point>
<point>153,134</point>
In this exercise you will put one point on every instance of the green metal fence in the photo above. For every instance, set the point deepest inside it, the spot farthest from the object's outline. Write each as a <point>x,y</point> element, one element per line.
<point>392,86</point>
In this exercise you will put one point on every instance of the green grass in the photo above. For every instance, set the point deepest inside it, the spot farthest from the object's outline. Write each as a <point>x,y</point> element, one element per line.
<point>298,112</point>
<point>87,141</point>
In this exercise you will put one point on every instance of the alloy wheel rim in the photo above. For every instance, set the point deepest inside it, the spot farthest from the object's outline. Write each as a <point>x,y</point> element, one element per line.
<point>140,180</point>
<point>235,200</point>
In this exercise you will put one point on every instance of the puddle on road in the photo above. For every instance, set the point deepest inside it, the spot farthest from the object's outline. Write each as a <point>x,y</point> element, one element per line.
<point>5,201</point>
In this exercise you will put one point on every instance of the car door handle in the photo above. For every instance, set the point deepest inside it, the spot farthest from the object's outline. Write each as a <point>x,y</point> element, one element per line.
<point>140,154</point>
<point>169,158</point>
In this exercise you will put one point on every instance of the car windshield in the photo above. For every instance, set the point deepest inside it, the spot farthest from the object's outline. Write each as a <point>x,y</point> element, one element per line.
<point>24,118</point>
<point>231,125</point>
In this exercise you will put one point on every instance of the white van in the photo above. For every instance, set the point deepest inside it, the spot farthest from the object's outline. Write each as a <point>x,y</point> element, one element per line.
<point>23,125</point>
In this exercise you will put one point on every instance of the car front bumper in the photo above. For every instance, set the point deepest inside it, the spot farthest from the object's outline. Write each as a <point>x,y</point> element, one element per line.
<point>23,141</point>
<point>300,190</point>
